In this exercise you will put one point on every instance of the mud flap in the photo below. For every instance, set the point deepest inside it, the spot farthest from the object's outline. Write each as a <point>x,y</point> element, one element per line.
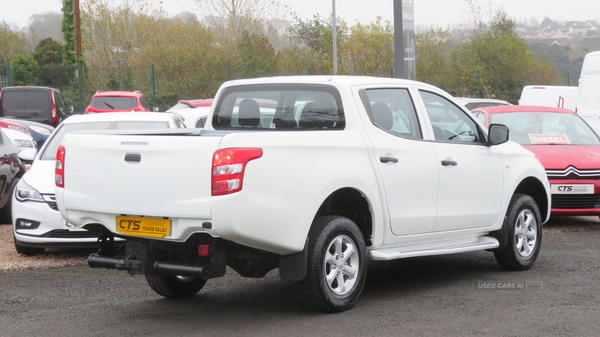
<point>293,267</point>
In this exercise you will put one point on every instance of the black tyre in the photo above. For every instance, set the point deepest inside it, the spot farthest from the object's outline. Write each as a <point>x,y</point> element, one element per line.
<point>523,237</point>
<point>29,251</point>
<point>337,265</point>
<point>172,286</point>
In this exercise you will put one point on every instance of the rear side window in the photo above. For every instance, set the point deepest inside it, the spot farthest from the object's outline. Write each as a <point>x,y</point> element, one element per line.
<point>145,103</point>
<point>114,102</point>
<point>392,110</point>
<point>279,107</point>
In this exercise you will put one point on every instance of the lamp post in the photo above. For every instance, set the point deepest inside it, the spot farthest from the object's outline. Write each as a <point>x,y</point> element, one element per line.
<point>334,37</point>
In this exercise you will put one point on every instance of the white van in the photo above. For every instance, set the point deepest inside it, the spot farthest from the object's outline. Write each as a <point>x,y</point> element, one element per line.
<point>549,95</point>
<point>588,101</point>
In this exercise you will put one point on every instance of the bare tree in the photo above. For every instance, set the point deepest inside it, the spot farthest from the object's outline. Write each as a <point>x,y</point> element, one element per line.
<point>230,18</point>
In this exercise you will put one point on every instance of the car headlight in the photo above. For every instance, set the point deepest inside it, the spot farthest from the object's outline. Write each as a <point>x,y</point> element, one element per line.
<point>23,143</point>
<point>41,130</point>
<point>24,192</point>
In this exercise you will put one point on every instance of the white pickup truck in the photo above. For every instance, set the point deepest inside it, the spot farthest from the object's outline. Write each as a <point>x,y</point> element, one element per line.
<point>313,175</point>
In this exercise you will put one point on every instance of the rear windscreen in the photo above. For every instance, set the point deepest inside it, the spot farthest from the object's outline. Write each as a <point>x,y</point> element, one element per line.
<point>114,102</point>
<point>26,100</point>
<point>279,107</point>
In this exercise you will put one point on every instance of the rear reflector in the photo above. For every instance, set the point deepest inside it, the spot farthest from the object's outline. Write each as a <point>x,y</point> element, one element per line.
<point>203,250</point>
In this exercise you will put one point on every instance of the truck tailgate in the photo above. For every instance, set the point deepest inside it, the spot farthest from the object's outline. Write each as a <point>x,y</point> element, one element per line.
<point>148,175</point>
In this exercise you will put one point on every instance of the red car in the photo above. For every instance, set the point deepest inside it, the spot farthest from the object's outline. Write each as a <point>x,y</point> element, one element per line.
<point>117,101</point>
<point>13,126</point>
<point>564,143</point>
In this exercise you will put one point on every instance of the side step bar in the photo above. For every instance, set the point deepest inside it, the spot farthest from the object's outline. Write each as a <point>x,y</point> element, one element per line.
<point>437,248</point>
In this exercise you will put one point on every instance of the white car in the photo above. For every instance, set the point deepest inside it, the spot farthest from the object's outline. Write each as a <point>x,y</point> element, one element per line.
<point>193,111</point>
<point>192,117</point>
<point>37,224</point>
<point>472,103</point>
<point>20,139</point>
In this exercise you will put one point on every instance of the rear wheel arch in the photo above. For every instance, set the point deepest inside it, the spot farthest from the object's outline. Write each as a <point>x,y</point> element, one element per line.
<point>352,204</point>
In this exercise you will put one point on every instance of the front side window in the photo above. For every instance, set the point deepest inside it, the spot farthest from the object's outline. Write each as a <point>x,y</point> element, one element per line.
<point>449,122</point>
<point>392,110</point>
<point>279,107</point>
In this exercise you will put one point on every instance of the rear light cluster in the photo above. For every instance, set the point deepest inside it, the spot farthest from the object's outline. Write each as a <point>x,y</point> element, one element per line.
<point>228,167</point>
<point>59,169</point>
<point>54,116</point>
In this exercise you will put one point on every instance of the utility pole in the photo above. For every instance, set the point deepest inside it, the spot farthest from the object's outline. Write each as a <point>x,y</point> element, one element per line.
<point>78,52</point>
<point>77,30</point>
<point>334,18</point>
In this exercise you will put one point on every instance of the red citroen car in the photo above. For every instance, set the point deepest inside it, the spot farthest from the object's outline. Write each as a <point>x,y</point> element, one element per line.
<point>564,143</point>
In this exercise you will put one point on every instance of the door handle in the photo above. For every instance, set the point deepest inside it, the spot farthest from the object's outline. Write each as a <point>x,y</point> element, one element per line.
<point>449,162</point>
<point>388,159</point>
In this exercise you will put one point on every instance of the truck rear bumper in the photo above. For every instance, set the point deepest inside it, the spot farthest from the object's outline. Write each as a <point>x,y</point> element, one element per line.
<point>137,262</point>
<point>134,266</point>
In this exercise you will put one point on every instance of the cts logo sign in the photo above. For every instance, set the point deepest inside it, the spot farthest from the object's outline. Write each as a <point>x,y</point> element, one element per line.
<point>129,225</point>
<point>565,188</point>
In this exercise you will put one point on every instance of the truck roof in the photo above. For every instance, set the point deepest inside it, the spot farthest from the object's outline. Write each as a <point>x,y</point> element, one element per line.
<point>323,79</point>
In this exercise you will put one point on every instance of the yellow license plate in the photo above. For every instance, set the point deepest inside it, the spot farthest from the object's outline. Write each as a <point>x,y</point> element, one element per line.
<point>144,226</point>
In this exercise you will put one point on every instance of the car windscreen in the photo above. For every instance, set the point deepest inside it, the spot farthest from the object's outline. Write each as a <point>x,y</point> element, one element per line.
<point>279,107</point>
<point>542,128</point>
<point>25,100</point>
<point>114,102</point>
<point>56,138</point>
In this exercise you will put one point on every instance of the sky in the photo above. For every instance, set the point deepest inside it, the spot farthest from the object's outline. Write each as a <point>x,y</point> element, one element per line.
<point>439,13</point>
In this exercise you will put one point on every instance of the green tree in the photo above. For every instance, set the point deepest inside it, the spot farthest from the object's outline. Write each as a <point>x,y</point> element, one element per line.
<point>11,44</point>
<point>369,49</point>
<point>434,62</point>
<point>503,62</point>
<point>316,37</point>
<point>495,63</point>
<point>256,57</point>
<point>69,48</point>
<point>68,30</point>
<point>24,70</point>
<point>48,51</point>
<point>188,60</point>
<point>52,72</point>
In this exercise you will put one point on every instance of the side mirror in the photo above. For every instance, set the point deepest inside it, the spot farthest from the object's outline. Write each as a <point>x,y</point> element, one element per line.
<point>498,134</point>
<point>28,154</point>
